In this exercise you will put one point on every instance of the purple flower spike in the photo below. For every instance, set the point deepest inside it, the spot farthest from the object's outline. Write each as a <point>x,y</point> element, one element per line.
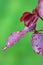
<point>37,42</point>
<point>15,36</point>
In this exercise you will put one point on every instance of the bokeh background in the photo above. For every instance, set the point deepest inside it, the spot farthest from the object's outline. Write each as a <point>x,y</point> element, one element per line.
<point>21,53</point>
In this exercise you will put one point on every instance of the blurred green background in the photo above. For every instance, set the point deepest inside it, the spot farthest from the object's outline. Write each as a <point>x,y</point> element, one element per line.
<point>21,53</point>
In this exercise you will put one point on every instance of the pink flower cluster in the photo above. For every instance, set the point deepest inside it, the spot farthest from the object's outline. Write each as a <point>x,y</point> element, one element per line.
<point>30,20</point>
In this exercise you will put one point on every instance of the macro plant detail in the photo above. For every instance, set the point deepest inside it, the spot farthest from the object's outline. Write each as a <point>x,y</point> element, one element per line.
<point>30,20</point>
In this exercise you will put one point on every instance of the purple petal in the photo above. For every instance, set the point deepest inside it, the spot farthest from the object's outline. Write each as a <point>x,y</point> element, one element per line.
<point>37,43</point>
